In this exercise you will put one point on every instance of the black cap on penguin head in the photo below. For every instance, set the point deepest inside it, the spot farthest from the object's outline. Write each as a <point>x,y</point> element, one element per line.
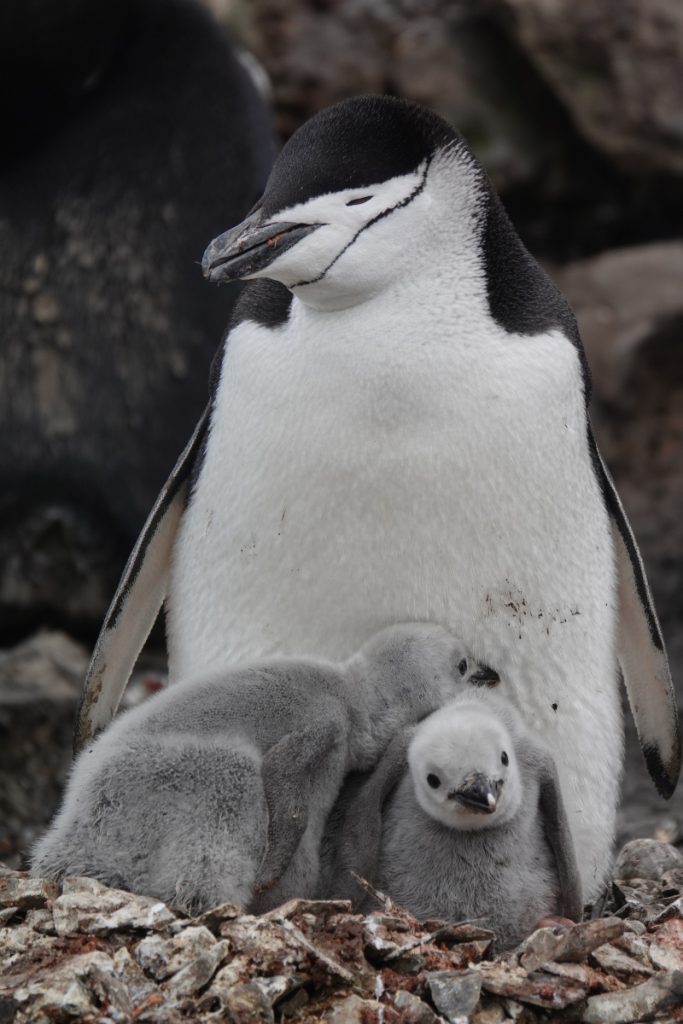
<point>354,144</point>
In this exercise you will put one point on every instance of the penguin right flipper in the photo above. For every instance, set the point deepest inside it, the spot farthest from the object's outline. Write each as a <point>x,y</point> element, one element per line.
<point>287,771</point>
<point>360,837</point>
<point>641,650</point>
<point>137,601</point>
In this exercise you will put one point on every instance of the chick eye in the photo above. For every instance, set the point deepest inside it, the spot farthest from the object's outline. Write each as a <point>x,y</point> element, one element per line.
<point>357,202</point>
<point>433,780</point>
<point>462,667</point>
<point>504,758</point>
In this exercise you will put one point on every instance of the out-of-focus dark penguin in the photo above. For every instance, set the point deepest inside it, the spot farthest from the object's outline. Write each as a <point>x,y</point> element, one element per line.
<point>400,431</point>
<point>130,128</point>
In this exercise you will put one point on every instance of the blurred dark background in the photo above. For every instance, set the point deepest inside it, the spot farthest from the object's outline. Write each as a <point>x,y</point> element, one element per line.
<point>134,131</point>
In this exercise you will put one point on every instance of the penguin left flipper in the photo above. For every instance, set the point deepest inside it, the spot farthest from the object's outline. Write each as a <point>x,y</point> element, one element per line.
<point>640,647</point>
<point>137,601</point>
<point>287,772</point>
<point>556,827</point>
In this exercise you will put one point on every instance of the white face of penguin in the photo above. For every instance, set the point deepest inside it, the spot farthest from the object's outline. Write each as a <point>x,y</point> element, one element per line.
<point>463,767</point>
<point>338,232</point>
<point>352,253</point>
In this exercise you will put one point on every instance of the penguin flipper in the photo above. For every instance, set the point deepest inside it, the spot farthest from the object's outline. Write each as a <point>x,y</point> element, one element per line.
<point>559,836</point>
<point>287,771</point>
<point>136,603</point>
<point>641,650</point>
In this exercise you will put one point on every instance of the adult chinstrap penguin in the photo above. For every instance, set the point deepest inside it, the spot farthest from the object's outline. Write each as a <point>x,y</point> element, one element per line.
<point>399,430</point>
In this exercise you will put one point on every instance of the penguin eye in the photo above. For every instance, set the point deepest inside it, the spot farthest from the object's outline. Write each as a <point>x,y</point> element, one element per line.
<point>462,667</point>
<point>433,780</point>
<point>357,202</point>
<point>504,758</point>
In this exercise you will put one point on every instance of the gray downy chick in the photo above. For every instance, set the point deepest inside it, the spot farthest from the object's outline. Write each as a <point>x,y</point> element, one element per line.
<point>219,791</point>
<point>463,818</point>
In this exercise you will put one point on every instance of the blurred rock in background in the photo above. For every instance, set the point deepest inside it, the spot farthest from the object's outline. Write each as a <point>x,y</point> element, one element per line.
<point>155,141</point>
<point>132,135</point>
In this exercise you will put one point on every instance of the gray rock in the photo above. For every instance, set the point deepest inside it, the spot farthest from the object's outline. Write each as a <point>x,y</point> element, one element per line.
<point>197,974</point>
<point>413,1010</point>
<point>453,993</point>
<point>614,961</point>
<point>160,957</point>
<point>617,69</point>
<point>88,907</point>
<point>646,858</point>
<point>662,992</point>
<point>21,892</point>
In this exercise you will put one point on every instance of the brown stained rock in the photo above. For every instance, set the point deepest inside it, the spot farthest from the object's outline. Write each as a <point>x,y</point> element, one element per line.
<point>538,989</point>
<point>213,918</point>
<point>315,908</point>
<point>454,994</point>
<point>540,947</point>
<point>614,961</point>
<point>391,940</point>
<point>647,858</point>
<point>592,980</point>
<point>489,1011</point>
<point>89,907</point>
<point>161,957</point>
<point>23,892</point>
<point>661,992</point>
<point>133,977</point>
<point>247,1004</point>
<point>269,944</point>
<point>197,974</point>
<point>41,921</point>
<point>583,938</point>
<point>355,1010</point>
<point>75,988</point>
<point>666,951</point>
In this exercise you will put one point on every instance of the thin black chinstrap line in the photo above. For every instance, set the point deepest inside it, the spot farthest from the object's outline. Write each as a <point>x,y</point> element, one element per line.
<point>385,213</point>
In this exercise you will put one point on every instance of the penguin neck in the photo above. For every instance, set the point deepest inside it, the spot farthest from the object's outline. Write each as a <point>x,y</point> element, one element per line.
<point>375,714</point>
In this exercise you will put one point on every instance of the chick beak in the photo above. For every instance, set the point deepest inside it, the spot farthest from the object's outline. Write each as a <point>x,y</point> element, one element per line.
<point>478,793</point>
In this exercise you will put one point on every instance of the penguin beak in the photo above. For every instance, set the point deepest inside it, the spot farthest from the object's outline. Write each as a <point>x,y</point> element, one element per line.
<point>250,247</point>
<point>478,793</point>
<point>485,676</point>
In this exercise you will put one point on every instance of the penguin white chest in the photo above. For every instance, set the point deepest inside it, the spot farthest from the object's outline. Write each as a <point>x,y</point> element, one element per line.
<point>356,476</point>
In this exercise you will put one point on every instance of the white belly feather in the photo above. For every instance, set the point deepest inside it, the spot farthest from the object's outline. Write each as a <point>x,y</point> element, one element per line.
<point>357,476</point>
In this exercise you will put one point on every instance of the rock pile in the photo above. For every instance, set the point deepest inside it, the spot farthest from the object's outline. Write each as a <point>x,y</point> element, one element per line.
<point>85,952</point>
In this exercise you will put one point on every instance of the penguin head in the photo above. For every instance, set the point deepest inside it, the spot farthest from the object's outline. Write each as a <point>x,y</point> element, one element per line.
<point>353,202</point>
<point>420,664</point>
<point>463,767</point>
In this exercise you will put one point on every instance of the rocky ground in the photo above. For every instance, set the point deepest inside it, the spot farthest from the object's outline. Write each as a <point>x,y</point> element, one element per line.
<point>85,952</point>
